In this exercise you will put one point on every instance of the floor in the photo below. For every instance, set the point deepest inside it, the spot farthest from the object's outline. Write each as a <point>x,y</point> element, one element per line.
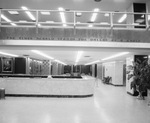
<point>109,104</point>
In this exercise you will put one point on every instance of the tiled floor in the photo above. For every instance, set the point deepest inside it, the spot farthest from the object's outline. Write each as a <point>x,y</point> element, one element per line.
<point>109,105</point>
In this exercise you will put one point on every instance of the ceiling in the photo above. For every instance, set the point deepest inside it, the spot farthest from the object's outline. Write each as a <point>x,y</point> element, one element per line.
<point>65,54</point>
<point>83,5</point>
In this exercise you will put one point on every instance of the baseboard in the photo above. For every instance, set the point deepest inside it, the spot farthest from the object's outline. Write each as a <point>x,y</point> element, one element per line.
<point>130,93</point>
<point>56,96</point>
<point>115,85</point>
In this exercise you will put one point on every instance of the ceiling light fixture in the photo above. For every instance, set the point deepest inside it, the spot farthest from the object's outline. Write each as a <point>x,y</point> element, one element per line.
<point>28,13</point>
<point>3,53</point>
<point>148,17</point>
<point>94,15</point>
<point>8,20</point>
<point>45,13</point>
<point>42,54</point>
<point>22,21</point>
<point>13,12</point>
<point>122,18</point>
<point>93,62</point>
<point>78,56</point>
<point>39,25</point>
<point>106,15</point>
<point>114,56</point>
<point>49,21</point>
<point>90,25</point>
<point>62,15</point>
<point>78,14</point>
<point>60,62</point>
<point>104,23</point>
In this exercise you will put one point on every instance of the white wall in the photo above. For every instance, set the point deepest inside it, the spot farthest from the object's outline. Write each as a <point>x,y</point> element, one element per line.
<point>99,71</point>
<point>93,70</point>
<point>114,70</point>
<point>118,73</point>
<point>110,70</point>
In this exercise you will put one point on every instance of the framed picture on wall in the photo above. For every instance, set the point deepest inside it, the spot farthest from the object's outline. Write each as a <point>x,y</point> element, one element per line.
<point>7,64</point>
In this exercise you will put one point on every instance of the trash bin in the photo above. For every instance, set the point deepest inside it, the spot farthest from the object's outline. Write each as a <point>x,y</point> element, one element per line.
<point>2,93</point>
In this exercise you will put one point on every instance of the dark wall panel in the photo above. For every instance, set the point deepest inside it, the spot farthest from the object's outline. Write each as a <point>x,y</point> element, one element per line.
<point>0,65</point>
<point>20,65</point>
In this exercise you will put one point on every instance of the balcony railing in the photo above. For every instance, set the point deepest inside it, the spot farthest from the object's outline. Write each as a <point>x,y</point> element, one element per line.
<point>73,19</point>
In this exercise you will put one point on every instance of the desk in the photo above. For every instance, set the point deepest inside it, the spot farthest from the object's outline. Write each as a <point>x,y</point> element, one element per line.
<point>52,87</point>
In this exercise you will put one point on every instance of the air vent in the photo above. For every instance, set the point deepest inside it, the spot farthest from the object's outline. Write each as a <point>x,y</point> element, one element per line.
<point>97,0</point>
<point>86,56</point>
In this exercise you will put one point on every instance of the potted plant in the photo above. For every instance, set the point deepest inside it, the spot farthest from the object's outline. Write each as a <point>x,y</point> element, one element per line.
<point>141,77</point>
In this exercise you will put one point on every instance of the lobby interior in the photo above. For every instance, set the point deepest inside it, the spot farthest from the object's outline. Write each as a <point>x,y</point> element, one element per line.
<point>61,39</point>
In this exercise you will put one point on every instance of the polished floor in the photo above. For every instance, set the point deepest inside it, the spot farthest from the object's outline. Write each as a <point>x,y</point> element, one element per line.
<point>108,105</point>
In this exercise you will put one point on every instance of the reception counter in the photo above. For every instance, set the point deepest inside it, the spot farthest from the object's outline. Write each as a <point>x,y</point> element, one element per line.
<point>50,87</point>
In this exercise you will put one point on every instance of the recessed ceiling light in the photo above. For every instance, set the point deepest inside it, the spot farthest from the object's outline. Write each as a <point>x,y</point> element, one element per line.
<point>49,21</point>
<point>45,13</point>
<point>104,23</point>
<point>106,14</point>
<point>13,12</point>
<point>78,14</point>
<point>148,17</point>
<point>90,25</point>
<point>22,21</point>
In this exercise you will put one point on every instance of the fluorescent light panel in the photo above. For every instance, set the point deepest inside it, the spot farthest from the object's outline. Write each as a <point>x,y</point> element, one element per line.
<point>6,19</point>
<point>22,21</point>
<point>28,13</point>
<point>42,54</point>
<point>49,21</point>
<point>78,14</point>
<point>8,54</point>
<point>45,13</point>
<point>122,18</point>
<point>148,17</point>
<point>90,25</point>
<point>94,15</point>
<point>114,56</point>
<point>62,15</point>
<point>13,12</point>
<point>79,54</point>
<point>60,62</point>
<point>104,23</point>
<point>106,15</point>
<point>93,62</point>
